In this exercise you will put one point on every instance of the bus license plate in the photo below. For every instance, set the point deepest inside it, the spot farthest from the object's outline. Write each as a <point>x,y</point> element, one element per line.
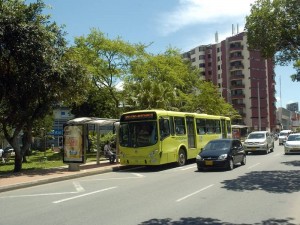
<point>209,163</point>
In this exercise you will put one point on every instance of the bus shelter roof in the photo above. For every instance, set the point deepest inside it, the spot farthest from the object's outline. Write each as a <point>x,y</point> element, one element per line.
<point>92,120</point>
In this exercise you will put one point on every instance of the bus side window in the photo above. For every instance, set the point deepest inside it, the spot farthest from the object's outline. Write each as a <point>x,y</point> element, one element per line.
<point>200,126</point>
<point>179,125</point>
<point>164,127</point>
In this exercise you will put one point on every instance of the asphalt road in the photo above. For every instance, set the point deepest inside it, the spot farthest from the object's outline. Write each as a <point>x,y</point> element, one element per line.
<point>264,191</point>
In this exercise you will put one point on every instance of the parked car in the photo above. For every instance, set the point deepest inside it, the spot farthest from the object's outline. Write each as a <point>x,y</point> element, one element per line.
<point>259,141</point>
<point>283,136</point>
<point>221,153</point>
<point>292,144</point>
<point>6,153</point>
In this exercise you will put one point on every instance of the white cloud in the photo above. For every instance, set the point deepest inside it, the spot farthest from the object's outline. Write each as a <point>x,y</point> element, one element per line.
<point>191,12</point>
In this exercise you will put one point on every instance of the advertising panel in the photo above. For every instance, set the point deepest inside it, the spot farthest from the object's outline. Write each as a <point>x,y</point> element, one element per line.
<point>73,144</point>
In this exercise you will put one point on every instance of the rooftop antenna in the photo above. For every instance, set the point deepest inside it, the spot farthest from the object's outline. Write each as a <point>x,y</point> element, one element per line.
<point>216,37</point>
<point>232,29</point>
<point>237,28</point>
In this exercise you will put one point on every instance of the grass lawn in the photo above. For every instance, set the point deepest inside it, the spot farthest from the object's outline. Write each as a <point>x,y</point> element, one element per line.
<point>41,160</point>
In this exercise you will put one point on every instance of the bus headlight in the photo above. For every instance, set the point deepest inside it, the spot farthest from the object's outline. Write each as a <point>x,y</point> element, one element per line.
<point>153,153</point>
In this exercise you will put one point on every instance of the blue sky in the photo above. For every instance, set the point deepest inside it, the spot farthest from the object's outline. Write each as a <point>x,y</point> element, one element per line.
<point>183,24</point>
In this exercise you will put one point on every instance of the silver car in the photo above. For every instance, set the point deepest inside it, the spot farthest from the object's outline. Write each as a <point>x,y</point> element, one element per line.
<point>283,136</point>
<point>259,141</point>
<point>292,144</point>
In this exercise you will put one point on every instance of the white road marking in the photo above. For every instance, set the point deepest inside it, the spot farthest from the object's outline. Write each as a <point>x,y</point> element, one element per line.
<point>253,166</point>
<point>136,176</point>
<point>83,195</point>
<point>37,195</point>
<point>187,168</point>
<point>196,192</point>
<point>78,187</point>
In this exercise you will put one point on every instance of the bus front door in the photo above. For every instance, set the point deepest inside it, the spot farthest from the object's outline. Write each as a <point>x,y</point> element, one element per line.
<point>191,132</point>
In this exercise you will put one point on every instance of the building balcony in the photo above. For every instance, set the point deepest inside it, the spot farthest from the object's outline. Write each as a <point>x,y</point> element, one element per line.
<point>236,67</point>
<point>232,58</point>
<point>237,77</point>
<point>238,105</point>
<point>236,47</point>
<point>238,96</point>
<point>237,86</point>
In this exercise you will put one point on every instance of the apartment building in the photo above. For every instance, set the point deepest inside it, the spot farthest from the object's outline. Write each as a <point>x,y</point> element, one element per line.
<point>244,78</point>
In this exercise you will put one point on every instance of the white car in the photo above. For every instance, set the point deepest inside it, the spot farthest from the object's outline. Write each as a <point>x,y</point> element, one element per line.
<point>292,144</point>
<point>259,141</point>
<point>283,136</point>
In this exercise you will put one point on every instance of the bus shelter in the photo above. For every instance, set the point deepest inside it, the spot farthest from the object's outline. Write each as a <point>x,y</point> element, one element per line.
<point>239,131</point>
<point>76,138</point>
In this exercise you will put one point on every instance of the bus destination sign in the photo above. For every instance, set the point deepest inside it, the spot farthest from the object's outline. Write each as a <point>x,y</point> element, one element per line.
<point>139,116</point>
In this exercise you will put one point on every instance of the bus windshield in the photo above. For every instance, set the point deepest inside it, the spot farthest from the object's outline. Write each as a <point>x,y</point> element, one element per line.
<point>138,134</point>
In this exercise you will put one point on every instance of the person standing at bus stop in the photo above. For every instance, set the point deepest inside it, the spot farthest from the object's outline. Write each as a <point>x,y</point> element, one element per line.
<point>109,152</point>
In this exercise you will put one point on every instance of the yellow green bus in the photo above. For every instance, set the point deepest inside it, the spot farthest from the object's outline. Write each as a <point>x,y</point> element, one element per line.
<point>156,137</point>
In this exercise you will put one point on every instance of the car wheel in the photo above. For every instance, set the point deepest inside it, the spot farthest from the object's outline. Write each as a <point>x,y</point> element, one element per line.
<point>181,158</point>
<point>243,162</point>
<point>230,165</point>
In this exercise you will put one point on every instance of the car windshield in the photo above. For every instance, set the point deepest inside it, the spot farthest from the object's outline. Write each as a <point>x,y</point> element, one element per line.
<point>256,136</point>
<point>283,134</point>
<point>217,145</point>
<point>294,138</point>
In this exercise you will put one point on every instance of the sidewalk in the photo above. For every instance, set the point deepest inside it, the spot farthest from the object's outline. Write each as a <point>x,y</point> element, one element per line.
<point>42,176</point>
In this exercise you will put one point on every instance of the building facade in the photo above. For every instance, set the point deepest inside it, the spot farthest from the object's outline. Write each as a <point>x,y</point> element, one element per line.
<point>61,116</point>
<point>293,107</point>
<point>244,78</point>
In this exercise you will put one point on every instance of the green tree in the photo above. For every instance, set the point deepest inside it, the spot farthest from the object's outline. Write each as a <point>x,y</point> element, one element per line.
<point>107,61</point>
<point>98,103</point>
<point>36,71</point>
<point>168,82</point>
<point>273,27</point>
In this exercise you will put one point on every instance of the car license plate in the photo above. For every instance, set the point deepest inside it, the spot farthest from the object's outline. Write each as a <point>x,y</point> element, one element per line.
<point>208,163</point>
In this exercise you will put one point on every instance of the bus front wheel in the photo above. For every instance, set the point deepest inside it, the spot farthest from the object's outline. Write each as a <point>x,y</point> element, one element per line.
<point>181,158</point>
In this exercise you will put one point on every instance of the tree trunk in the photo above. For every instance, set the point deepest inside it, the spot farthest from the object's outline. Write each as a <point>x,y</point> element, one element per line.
<point>18,162</point>
<point>24,160</point>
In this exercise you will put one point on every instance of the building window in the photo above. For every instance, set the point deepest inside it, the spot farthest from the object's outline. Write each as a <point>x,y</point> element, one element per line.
<point>201,49</point>
<point>219,67</point>
<point>201,65</point>
<point>201,57</point>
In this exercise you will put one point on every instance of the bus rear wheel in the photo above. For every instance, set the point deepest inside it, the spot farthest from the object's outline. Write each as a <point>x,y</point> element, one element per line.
<point>181,158</point>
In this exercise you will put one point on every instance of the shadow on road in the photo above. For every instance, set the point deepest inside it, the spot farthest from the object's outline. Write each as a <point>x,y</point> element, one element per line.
<point>211,221</point>
<point>292,163</point>
<point>269,181</point>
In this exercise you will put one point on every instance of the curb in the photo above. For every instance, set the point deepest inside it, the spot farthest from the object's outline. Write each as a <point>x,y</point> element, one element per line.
<point>37,182</point>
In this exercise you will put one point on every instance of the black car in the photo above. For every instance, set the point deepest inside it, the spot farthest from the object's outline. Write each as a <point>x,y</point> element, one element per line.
<point>221,153</point>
